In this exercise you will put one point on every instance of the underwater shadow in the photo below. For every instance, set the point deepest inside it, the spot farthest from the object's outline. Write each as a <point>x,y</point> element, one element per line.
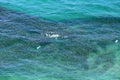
<point>77,37</point>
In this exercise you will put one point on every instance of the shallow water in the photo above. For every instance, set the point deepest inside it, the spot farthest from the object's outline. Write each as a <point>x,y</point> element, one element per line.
<point>65,9</point>
<point>58,47</point>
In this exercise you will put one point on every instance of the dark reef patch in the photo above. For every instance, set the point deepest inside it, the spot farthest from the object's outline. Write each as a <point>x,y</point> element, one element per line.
<point>65,42</point>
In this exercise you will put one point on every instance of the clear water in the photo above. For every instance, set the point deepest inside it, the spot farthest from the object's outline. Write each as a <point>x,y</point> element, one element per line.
<point>59,40</point>
<point>65,9</point>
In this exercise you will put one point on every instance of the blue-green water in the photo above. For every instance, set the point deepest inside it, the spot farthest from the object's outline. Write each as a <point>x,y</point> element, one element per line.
<point>65,9</point>
<point>59,40</point>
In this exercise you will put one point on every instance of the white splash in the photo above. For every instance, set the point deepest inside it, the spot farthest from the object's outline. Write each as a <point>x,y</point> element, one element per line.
<point>52,35</point>
<point>116,41</point>
<point>39,47</point>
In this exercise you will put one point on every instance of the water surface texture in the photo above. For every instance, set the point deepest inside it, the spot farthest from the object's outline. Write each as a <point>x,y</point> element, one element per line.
<point>65,9</point>
<point>59,40</point>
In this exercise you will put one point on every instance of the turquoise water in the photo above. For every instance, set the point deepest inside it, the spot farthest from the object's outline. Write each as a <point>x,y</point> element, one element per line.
<point>59,40</point>
<point>65,9</point>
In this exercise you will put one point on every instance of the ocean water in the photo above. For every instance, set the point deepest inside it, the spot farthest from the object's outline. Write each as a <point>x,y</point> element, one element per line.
<point>59,40</point>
